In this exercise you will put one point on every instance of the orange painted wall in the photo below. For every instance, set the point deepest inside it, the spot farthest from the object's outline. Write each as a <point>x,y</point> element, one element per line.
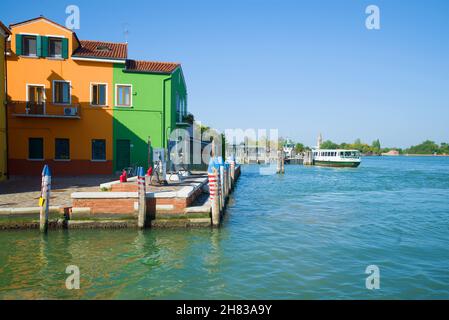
<point>95,122</point>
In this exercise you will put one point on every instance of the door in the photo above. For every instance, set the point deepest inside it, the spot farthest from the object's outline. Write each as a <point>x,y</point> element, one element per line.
<point>123,153</point>
<point>36,99</point>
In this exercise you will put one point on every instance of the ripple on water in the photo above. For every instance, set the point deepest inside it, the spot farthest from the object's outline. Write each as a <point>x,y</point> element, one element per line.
<point>308,234</point>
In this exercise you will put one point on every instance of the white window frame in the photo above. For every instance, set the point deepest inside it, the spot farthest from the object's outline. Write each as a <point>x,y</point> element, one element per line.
<point>130,94</point>
<point>36,85</point>
<point>90,95</point>
<point>70,93</point>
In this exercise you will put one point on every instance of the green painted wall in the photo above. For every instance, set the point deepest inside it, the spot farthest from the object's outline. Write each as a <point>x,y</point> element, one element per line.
<point>152,115</point>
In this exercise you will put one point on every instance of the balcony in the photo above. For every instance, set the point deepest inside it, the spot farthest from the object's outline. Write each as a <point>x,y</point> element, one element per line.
<point>25,109</point>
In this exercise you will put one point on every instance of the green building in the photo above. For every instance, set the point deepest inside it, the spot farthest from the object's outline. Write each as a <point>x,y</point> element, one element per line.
<point>150,102</point>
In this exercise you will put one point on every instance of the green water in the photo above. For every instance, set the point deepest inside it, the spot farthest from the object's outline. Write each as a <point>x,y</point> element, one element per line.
<point>307,235</point>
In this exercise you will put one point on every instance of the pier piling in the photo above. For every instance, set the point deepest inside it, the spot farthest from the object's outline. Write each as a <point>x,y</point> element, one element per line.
<point>280,169</point>
<point>142,198</point>
<point>44,200</point>
<point>214,196</point>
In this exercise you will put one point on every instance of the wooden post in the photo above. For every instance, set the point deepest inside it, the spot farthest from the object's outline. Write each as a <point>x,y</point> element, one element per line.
<point>142,214</point>
<point>232,167</point>
<point>278,168</point>
<point>44,200</point>
<point>214,196</point>
<point>221,187</point>
<point>282,162</point>
<point>228,179</point>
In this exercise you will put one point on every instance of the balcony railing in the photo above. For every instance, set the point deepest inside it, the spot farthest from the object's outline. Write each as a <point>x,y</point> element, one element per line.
<point>43,110</point>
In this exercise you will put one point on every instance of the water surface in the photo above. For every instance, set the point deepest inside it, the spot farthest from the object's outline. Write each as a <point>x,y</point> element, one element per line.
<point>309,234</point>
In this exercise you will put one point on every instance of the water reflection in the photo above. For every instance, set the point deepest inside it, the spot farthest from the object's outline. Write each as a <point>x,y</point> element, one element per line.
<point>308,234</point>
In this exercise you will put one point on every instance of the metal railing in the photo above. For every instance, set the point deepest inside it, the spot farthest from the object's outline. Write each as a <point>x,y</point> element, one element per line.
<point>43,110</point>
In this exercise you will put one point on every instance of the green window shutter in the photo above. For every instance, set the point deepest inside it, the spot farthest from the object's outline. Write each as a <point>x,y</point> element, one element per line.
<point>65,48</point>
<point>38,46</point>
<point>18,44</point>
<point>44,44</point>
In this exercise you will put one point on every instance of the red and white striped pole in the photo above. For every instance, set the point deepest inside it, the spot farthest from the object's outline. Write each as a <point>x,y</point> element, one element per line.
<point>44,200</point>
<point>141,187</point>
<point>214,196</point>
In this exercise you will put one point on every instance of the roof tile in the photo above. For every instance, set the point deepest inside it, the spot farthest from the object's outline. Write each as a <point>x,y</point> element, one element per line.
<point>102,50</point>
<point>151,66</point>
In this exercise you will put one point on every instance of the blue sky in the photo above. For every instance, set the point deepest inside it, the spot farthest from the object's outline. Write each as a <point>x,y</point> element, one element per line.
<point>301,66</point>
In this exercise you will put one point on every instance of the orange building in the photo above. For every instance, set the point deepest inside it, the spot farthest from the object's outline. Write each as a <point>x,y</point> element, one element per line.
<point>60,100</point>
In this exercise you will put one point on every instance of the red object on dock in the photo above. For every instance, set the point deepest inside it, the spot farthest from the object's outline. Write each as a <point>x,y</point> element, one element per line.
<point>124,177</point>
<point>150,171</point>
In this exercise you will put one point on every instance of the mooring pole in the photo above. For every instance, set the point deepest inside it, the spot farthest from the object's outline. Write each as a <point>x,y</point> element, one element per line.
<point>44,200</point>
<point>142,198</point>
<point>214,197</point>
<point>282,162</point>
<point>221,186</point>
<point>278,168</point>
<point>232,171</point>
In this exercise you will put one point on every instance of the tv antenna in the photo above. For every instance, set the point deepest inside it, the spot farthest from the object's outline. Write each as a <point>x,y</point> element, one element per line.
<point>126,31</point>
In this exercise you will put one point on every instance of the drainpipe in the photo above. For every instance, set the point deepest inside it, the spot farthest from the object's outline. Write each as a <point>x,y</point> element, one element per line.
<point>164,134</point>
<point>164,142</point>
<point>6,111</point>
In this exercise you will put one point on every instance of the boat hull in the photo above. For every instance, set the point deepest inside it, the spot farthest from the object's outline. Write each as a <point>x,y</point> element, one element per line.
<point>340,164</point>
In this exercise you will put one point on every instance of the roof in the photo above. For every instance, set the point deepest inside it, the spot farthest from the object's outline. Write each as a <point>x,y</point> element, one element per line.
<point>4,28</point>
<point>39,18</point>
<point>151,66</point>
<point>101,49</point>
<point>47,20</point>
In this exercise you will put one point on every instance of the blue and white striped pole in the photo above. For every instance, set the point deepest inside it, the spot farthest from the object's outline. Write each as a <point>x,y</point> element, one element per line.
<point>142,198</point>
<point>44,200</point>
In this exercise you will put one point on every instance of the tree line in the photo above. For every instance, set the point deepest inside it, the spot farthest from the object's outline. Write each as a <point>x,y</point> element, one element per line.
<point>375,148</point>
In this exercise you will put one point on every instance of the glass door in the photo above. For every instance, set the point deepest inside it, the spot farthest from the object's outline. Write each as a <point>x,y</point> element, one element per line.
<point>36,99</point>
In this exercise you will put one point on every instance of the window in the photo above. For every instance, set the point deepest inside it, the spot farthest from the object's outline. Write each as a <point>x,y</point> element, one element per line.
<point>30,46</point>
<point>36,94</point>
<point>98,149</point>
<point>98,94</point>
<point>36,148</point>
<point>123,98</point>
<point>62,149</point>
<point>55,48</point>
<point>61,92</point>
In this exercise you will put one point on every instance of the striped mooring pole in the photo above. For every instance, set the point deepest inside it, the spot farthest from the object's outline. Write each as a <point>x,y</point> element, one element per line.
<point>214,196</point>
<point>232,171</point>
<point>141,222</point>
<point>44,200</point>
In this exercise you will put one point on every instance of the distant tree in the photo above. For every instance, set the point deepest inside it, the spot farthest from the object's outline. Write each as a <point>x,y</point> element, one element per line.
<point>427,147</point>
<point>444,148</point>
<point>189,118</point>
<point>376,148</point>
<point>299,147</point>
<point>328,145</point>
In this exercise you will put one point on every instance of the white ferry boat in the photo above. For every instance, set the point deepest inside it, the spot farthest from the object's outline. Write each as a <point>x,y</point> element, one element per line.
<point>336,158</point>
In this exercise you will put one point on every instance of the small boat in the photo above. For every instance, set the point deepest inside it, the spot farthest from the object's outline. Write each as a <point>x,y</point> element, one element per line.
<point>336,158</point>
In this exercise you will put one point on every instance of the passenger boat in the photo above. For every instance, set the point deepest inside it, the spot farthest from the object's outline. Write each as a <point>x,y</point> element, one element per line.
<point>336,158</point>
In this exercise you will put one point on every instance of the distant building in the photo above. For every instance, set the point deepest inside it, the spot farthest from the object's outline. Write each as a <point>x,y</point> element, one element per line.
<point>289,149</point>
<point>391,153</point>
